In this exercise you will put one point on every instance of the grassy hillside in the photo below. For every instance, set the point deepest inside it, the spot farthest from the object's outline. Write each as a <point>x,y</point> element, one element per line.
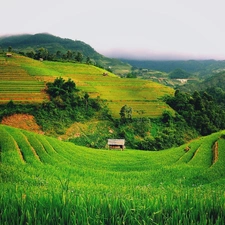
<point>32,43</point>
<point>46,181</point>
<point>142,96</point>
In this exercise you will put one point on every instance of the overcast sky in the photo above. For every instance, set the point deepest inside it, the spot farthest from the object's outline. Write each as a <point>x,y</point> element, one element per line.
<point>154,29</point>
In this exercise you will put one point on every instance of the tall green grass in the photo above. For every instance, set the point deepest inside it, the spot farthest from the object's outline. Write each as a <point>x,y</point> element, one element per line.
<point>70,184</point>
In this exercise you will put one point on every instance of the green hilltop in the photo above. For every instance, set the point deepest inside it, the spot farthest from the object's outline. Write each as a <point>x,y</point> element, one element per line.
<point>52,45</point>
<point>47,181</point>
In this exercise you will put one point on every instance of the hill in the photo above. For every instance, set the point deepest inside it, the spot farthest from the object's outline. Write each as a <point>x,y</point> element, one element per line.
<point>31,43</point>
<point>30,75</point>
<point>47,181</point>
<point>216,80</point>
<point>202,68</point>
<point>189,75</point>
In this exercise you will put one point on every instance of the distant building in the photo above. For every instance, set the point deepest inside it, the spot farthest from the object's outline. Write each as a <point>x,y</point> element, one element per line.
<point>116,143</point>
<point>8,54</point>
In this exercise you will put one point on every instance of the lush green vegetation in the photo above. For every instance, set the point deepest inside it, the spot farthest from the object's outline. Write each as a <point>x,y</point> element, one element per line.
<point>47,181</point>
<point>99,82</point>
<point>66,106</point>
<point>151,125</point>
<point>179,74</point>
<point>216,80</point>
<point>199,110</point>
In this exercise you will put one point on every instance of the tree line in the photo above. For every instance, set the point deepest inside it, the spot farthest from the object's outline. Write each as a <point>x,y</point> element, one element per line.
<point>200,110</point>
<point>43,53</point>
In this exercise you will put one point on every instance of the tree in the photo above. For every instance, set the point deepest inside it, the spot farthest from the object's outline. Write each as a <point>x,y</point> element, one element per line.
<point>88,60</point>
<point>86,97</point>
<point>69,54</point>
<point>79,57</point>
<point>58,54</point>
<point>167,117</point>
<point>126,113</point>
<point>61,88</point>
<point>30,54</point>
<point>10,49</point>
<point>41,53</point>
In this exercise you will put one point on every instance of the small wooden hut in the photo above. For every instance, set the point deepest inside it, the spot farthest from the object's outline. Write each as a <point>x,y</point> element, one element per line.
<point>8,54</point>
<point>116,143</point>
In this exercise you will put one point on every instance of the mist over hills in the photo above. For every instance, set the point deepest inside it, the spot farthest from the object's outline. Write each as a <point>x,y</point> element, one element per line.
<point>25,43</point>
<point>29,42</point>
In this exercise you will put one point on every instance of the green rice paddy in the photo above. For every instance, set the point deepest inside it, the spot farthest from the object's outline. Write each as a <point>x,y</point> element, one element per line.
<point>17,85</point>
<point>47,181</point>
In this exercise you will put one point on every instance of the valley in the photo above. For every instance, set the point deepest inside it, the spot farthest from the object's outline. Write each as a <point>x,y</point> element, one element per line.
<point>57,112</point>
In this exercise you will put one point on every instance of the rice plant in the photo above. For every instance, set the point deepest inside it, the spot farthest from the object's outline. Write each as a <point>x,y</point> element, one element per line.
<point>77,185</point>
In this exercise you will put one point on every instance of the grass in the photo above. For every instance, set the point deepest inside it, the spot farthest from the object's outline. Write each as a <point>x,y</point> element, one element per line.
<point>28,76</point>
<point>47,181</point>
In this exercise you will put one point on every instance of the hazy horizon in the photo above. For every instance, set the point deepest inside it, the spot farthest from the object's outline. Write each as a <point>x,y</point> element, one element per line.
<point>147,29</point>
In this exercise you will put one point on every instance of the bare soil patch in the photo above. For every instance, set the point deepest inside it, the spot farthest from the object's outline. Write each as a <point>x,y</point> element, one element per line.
<point>22,121</point>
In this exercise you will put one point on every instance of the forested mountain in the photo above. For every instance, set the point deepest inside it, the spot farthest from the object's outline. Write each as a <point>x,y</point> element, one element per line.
<point>55,47</point>
<point>50,42</point>
<point>215,81</point>
<point>200,67</point>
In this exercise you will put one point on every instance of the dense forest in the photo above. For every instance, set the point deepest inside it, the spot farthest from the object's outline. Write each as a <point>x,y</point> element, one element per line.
<point>202,111</point>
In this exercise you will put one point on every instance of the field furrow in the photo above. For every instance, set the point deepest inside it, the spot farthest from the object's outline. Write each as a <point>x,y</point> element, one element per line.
<point>17,85</point>
<point>37,147</point>
<point>107,186</point>
<point>221,154</point>
<point>190,150</point>
<point>143,96</point>
<point>27,150</point>
<point>204,155</point>
<point>10,152</point>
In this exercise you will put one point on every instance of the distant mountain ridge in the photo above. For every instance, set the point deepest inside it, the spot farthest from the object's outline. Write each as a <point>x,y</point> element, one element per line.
<point>29,42</point>
<point>200,67</point>
<point>48,41</point>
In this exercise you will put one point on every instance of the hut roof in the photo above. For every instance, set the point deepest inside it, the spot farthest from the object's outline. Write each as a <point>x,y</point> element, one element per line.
<point>116,141</point>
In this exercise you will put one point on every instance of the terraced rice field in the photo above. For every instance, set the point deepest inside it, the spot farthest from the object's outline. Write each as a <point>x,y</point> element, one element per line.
<point>17,85</point>
<point>20,75</point>
<point>47,181</point>
<point>143,96</point>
